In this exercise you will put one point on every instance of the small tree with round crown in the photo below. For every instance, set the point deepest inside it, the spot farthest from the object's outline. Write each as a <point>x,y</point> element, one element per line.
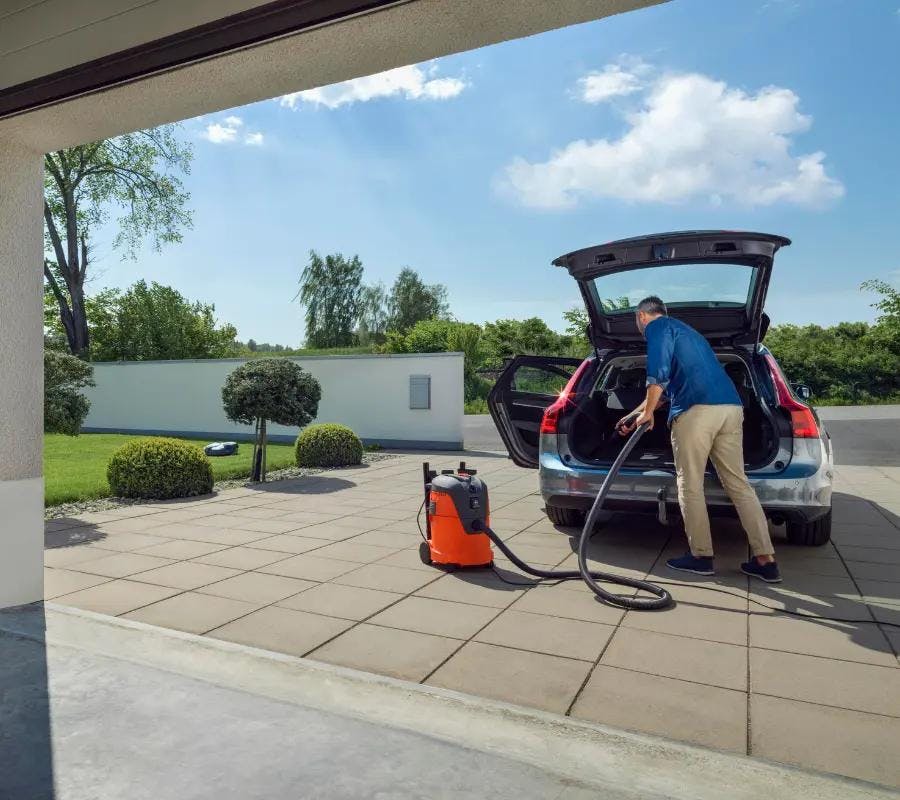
<point>270,390</point>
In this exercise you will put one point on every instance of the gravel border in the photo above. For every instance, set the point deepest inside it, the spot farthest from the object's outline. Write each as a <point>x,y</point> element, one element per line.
<point>274,476</point>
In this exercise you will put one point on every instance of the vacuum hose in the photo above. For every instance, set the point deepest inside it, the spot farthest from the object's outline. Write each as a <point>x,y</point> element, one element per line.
<point>661,598</point>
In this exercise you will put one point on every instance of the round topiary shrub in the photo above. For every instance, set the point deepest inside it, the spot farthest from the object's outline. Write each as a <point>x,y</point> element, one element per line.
<point>158,469</point>
<point>328,445</point>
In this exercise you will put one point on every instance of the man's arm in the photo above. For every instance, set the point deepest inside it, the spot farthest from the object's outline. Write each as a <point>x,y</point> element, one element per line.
<point>660,354</point>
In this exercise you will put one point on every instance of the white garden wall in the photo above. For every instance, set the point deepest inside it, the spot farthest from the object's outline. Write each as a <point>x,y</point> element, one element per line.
<point>370,394</point>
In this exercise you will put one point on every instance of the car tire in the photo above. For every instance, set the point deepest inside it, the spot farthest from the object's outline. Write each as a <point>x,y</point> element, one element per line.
<point>565,517</point>
<point>810,534</point>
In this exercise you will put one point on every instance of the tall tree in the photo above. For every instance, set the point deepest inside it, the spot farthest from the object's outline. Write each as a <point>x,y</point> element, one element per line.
<point>330,292</point>
<point>373,313</point>
<point>411,301</point>
<point>138,174</point>
<point>886,330</point>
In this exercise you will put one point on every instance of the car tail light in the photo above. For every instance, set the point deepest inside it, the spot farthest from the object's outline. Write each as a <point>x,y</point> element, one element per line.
<point>553,412</point>
<point>803,421</point>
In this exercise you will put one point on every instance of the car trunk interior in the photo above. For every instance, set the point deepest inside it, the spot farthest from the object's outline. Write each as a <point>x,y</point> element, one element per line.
<point>621,387</point>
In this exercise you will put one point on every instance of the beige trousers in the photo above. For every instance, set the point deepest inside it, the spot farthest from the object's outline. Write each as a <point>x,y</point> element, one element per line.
<point>715,433</point>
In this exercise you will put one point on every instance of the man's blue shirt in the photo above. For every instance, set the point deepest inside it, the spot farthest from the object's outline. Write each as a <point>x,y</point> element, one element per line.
<point>681,361</point>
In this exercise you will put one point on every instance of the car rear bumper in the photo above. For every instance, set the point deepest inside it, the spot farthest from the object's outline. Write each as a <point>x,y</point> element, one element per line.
<point>801,492</point>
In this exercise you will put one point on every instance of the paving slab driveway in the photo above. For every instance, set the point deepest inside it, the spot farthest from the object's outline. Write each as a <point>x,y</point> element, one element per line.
<point>327,567</point>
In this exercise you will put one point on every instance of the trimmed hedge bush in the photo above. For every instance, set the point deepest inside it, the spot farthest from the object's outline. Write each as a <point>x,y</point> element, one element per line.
<point>156,468</point>
<point>328,445</point>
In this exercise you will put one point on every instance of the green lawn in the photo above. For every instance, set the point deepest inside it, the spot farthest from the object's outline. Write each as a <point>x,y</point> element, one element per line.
<point>75,466</point>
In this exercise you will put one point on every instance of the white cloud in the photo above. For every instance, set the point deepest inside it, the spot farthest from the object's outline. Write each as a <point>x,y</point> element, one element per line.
<point>614,80</point>
<point>411,82</point>
<point>219,134</point>
<point>693,137</point>
<point>228,131</point>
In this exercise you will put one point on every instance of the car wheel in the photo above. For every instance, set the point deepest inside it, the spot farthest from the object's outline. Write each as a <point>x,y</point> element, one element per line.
<point>810,534</point>
<point>566,517</point>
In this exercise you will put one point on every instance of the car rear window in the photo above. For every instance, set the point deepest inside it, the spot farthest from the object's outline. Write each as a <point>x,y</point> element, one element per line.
<point>706,285</point>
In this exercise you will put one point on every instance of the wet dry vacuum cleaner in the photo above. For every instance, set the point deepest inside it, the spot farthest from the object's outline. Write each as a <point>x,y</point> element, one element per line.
<point>458,535</point>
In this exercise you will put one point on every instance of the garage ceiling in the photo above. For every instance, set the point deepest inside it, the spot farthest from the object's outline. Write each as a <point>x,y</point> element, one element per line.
<point>56,49</point>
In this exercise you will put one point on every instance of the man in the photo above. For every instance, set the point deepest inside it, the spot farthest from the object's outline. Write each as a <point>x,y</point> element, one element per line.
<point>706,418</point>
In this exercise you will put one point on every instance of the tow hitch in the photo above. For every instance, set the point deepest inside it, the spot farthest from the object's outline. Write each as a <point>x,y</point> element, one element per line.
<point>661,513</point>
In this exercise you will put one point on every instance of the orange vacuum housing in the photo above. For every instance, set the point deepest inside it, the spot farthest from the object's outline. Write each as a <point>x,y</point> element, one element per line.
<point>455,502</point>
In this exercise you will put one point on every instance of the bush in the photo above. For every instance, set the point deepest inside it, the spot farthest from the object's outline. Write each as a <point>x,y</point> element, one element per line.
<point>65,408</point>
<point>477,406</point>
<point>158,469</point>
<point>328,445</point>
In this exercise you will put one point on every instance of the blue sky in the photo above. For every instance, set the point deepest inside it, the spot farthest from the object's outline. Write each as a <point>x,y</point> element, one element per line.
<point>479,168</point>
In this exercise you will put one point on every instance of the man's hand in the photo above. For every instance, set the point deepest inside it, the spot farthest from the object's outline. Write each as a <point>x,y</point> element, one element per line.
<point>627,425</point>
<point>645,417</point>
<point>643,414</point>
<point>624,426</point>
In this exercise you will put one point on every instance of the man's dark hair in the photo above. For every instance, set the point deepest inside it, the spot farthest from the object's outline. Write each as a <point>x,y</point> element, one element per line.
<point>652,305</point>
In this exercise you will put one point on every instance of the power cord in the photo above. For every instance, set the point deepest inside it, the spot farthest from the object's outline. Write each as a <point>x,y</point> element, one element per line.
<point>419,523</point>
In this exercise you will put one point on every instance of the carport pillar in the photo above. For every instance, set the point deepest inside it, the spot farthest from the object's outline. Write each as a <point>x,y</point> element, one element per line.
<point>21,375</point>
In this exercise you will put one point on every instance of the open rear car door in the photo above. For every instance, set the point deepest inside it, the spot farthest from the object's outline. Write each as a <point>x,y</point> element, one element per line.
<point>519,398</point>
<point>715,281</point>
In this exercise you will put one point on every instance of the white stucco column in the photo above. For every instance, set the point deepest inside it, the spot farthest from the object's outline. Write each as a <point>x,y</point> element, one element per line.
<point>21,375</point>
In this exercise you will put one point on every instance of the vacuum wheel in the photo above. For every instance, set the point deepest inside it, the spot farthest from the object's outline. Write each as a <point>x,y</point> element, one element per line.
<point>425,553</point>
<point>566,517</point>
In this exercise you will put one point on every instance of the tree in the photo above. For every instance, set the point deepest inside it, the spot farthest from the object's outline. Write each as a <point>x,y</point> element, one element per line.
<point>886,330</point>
<point>136,172</point>
<point>577,321</point>
<point>373,314</point>
<point>252,346</point>
<point>270,390</point>
<point>157,322</point>
<point>65,408</point>
<point>152,322</point>
<point>411,301</point>
<point>441,336</point>
<point>844,363</point>
<point>330,291</point>
<point>575,342</point>
<point>506,338</point>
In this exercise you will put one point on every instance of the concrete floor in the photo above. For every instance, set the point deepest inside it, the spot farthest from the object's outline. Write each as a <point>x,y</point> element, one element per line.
<point>327,568</point>
<point>121,729</point>
<point>95,708</point>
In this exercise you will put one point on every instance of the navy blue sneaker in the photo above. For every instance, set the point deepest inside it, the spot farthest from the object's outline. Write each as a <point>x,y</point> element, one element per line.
<point>767,572</point>
<point>702,565</point>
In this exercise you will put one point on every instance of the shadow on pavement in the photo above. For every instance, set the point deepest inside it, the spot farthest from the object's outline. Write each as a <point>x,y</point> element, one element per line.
<point>26,753</point>
<point>630,543</point>
<point>312,484</point>
<point>74,536</point>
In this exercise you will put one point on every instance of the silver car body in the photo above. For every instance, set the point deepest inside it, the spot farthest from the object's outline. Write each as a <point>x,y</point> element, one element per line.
<point>802,490</point>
